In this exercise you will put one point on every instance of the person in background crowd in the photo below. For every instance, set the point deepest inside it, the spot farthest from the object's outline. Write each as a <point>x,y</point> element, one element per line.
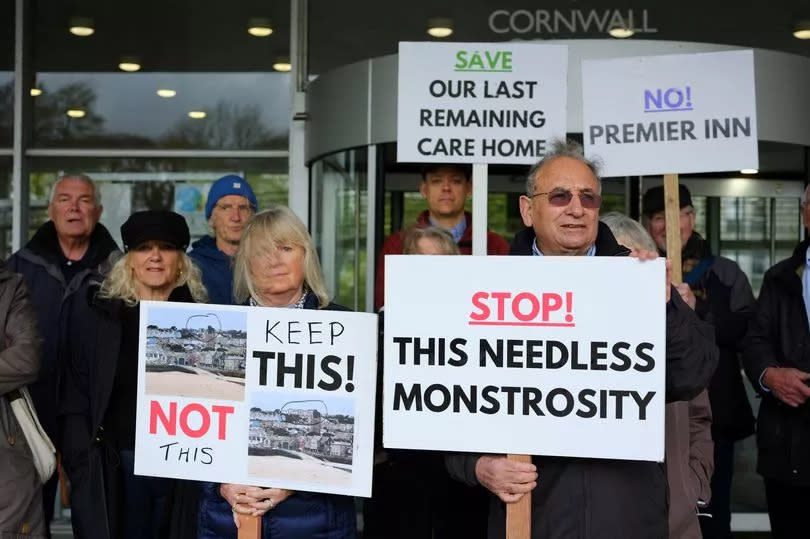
<point>21,512</point>
<point>720,293</point>
<point>689,447</point>
<point>65,253</point>
<point>277,266</point>
<point>445,188</point>
<point>776,357</point>
<point>99,384</point>
<point>438,507</point>
<point>582,497</point>
<point>229,207</point>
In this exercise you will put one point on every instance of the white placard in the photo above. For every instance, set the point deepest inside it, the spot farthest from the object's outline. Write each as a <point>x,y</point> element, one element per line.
<point>529,355</point>
<point>479,102</point>
<point>671,114</point>
<point>257,396</point>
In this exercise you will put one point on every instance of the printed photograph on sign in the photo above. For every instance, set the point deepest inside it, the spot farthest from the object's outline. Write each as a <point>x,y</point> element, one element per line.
<point>196,354</point>
<point>301,440</point>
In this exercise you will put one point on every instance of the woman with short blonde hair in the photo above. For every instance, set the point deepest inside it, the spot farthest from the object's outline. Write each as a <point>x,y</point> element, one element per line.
<point>265,234</point>
<point>431,240</point>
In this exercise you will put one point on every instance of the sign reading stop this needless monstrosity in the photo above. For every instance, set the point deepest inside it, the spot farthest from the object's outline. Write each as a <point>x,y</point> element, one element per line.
<point>258,396</point>
<point>479,102</point>
<point>525,355</point>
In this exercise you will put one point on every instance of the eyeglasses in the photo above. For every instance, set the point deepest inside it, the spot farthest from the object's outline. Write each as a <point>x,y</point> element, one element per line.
<point>562,197</point>
<point>243,209</point>
<point>660,218</point>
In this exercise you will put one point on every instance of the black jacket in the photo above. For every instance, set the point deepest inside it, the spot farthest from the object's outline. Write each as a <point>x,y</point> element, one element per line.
<point>87,379</point>
<point>580,498</point>
<point>724,299</point>
<point>778,336</point>
<point>39,263</point>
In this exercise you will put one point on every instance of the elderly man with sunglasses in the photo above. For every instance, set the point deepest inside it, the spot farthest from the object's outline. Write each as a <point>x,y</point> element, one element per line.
<point>579,497</point>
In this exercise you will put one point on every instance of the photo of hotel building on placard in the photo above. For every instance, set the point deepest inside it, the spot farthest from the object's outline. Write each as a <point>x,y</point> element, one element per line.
<point>196,355</point>
<point>309,440</point>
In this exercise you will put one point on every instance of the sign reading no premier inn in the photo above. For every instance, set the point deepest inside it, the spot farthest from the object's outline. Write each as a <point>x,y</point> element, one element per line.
<point>671,114</point>
<point>480,102</point>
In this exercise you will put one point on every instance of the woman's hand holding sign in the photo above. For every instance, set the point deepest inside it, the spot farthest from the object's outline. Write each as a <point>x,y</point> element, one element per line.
<point>507,479</point>
<point>252,501</point>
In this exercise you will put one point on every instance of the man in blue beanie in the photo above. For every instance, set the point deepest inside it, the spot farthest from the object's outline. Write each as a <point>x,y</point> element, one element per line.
<point>231,203</point>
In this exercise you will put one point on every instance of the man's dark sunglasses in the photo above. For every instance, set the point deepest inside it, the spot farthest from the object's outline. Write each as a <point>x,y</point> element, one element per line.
<point>563,197</point>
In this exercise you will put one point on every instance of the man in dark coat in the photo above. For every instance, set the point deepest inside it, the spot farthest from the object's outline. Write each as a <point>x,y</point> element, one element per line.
<point>65,252</point>
<point>581,497</point>
<point>230,205</point>
<point>445,189</point>
<point>721,295</point>
<point>776,357</point>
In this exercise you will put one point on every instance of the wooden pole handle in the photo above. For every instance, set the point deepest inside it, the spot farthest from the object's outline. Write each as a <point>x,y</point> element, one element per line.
<point>250,527</point>
<point>672,210</point>
<point>519,514</point>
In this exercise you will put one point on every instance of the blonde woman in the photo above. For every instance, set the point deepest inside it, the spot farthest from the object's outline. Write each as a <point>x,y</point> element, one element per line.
<point>277,266</point>
<point>99,382</point>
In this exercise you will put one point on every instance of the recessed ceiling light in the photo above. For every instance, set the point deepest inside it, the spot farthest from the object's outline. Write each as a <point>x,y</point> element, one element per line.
<point>259,27</point>
<point>81,26</point>
<point>440,27</point>
<point>749,171</point>
<point>620,33</point>
<point>282,64</point>
<point>166,92</point>
<point>130,64</point>
<point>75,113</point>
<point>36,92</point>
<point>197,114</point>
<point>801,30</point>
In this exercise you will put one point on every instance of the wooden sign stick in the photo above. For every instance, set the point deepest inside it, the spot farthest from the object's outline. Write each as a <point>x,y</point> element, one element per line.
<point>672,209</point>
<point>250,527</point>
<point>519,514</point>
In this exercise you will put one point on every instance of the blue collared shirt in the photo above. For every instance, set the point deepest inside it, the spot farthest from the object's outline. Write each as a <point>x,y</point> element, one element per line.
<point>457,231</point>
<point>536,250</point>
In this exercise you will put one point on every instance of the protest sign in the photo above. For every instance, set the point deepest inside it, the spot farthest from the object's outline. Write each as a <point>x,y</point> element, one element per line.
<point>530,355</point>
<point>479,102</point>
<point>671,114</point>
<point>258,396</point>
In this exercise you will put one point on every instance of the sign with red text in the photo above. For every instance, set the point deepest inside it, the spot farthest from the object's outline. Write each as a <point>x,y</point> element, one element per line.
<point>480,102</point>
<point>670,114</point>
<point>526,355</point>
<point>268,397</point>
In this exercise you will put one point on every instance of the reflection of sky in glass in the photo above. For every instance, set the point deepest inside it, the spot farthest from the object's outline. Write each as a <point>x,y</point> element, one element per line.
<point>272,400</point>
<point>129,103</point>
<point>166,318</point>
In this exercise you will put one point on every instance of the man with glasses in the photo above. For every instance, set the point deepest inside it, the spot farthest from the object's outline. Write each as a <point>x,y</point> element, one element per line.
<point>581,497</point>
<point>231,203</point>
<point>720,293</point>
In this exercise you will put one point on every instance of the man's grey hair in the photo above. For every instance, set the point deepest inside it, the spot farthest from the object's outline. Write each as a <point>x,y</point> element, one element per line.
<point>628,232</point>
<point>563,148</point>
<point>76,176</point>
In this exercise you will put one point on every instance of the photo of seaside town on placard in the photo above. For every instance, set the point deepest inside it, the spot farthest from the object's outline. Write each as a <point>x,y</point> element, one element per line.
<point>301,440</point>
<point>196,354</point>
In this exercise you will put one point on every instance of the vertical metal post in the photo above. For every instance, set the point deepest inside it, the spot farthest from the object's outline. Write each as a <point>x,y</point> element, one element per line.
<point>480,192</point>
<point>22,127</point>
<point>298,172</point>
<point>371,226</point>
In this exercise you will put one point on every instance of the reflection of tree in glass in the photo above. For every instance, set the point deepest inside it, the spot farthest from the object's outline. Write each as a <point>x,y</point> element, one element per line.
<point>52,124</point>
<point>228,126</point>
<point>152,195</point>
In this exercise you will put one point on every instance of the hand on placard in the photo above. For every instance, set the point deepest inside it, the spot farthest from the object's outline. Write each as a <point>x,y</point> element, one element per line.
<point>507,479</point>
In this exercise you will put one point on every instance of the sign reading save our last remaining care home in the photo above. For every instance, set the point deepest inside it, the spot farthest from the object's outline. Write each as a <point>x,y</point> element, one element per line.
<point>480,102</point>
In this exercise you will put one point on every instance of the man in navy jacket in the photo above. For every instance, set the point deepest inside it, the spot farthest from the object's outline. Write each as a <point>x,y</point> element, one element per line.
<point>230,205</point>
